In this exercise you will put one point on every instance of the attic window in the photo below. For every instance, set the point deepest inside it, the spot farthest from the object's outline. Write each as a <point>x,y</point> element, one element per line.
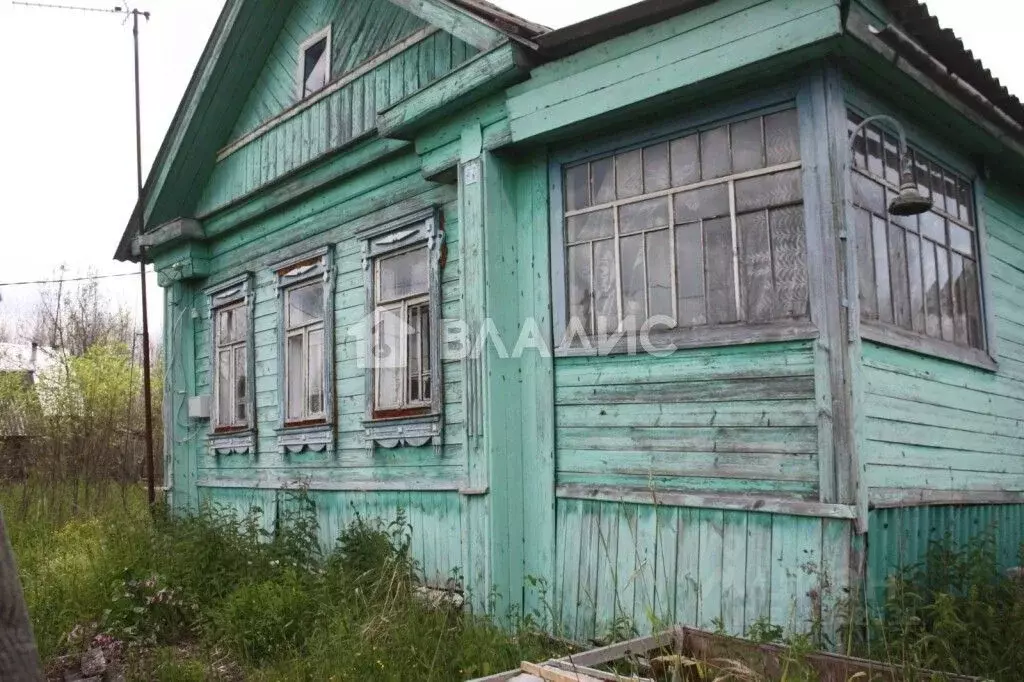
<point>315,62</point>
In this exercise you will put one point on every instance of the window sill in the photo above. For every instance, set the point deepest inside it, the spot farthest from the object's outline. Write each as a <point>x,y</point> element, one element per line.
<point>923,345</point>
<point>668,340</point>
<point>305,438</point>
<point>405,431</point>
<point>235,442</point>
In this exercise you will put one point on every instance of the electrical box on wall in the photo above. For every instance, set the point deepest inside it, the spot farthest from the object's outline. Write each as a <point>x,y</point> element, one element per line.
<point>199,407</point>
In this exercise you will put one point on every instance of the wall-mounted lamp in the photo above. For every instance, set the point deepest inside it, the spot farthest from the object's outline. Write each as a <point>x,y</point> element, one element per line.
<point>909,201</point>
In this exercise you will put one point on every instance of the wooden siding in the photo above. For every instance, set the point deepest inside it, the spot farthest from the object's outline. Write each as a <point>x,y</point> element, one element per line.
<point>645,566</point>
<point>381,194</point>
<point>940,429</point>
<point>733,420</point>
<point>434,522</point>
<point>343,115</point>
<point>697,45</point>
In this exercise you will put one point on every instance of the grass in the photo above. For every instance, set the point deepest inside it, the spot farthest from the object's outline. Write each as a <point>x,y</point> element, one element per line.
<point>218,597</point>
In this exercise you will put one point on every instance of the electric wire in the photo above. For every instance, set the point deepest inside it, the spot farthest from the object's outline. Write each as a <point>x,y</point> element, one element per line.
<point>72,279</point>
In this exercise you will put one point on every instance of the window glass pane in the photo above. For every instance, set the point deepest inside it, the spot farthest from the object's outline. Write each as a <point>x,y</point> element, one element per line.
<point>634,307</point>
<point>388,368</point>
<point>706,202</point>
<point>914,282</point>
<point>416,352</point>
<point>929,274</point>
<point>960,239</point>
<point>747,145</point>
<point>721,284</point>
<point>898,276</point>
<point>586,226</point>
<point>315,404</point>
<point>240,386</point>
<point>865,265</point>
<point>224,396</point>
<point>975,330</point>
<point>782,137</point>
<point>224,326</point>
<point>762,191</point>
<point>922,174</point>
<point>892,160</point>
<point>643,215</point>
<point>938,188</point>
<point>690,274</point>
<point>868,194</point>
<point>685,155</point>
<point>403,275</point>
<point>858,146</point>
<point>602,178</point>
<point>577,188</point>
<point>656,168</point>
<point>874,149</point>
<point>580,287</point>
<point>789,261</point>
<point>606,281</point>
<point>933,227</point>
<point>952,195</point>
<point>659,273</point>
<point>629,181</point>
<point>314,71</point>
<point>714,153</point>
<point>305,304</point>
<point>956,274</point>
<point>294,376</point>
<point>966,203</point>
<point>881,251</point>
<point>945,293</point>
<point>756,266</point>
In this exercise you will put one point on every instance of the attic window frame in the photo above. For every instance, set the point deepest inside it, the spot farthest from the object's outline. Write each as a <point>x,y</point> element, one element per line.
<point>322,34</point>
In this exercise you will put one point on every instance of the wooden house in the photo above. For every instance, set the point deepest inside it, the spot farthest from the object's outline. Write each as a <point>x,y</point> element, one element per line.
<point>623,315</point>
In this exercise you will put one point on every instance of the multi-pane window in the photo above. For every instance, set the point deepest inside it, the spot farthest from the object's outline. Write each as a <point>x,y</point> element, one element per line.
<point>315,62</point>
<point>304,353</point>
<point>704,229</point>
<point>231,334</point>
<point>402,332</point>
<point>917,273</point>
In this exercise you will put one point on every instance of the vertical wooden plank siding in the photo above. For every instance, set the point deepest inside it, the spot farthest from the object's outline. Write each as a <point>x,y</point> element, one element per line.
<point>361,30</point>
<point>732,420</point>
<point>937,429</point>
<point>654,564</point>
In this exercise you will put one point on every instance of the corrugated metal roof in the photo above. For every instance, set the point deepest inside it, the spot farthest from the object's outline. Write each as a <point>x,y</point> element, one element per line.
<point>921,25</point>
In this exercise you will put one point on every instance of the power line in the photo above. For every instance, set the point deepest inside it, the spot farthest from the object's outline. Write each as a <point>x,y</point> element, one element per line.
<point>114,10</point>
<point>71,279</point>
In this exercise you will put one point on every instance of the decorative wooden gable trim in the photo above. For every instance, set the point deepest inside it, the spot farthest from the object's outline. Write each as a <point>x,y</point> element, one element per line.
<point>454,20</point>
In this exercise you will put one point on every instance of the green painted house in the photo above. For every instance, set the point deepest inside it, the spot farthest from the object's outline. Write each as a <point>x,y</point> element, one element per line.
<point>698,311</point>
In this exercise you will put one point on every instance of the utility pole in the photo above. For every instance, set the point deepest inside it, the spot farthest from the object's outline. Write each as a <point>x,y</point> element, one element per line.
<point>140,222</point>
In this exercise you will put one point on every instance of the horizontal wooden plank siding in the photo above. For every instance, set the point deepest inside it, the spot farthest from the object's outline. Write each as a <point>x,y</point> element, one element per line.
<point>936,429</point>
<point>733,420</point>
<point>622,565</point>
<point>434,525</point>
<point>696,45</point>
<point>361,30</point>
<point>331,218</point>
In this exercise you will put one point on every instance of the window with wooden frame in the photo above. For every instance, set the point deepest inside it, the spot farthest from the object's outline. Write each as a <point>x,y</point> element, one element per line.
<point>233,408</point>
<point>703,230</point>
<point>403,297</point>
<point>315,63</point>
<point>306,348</point>
<point>919,276</point>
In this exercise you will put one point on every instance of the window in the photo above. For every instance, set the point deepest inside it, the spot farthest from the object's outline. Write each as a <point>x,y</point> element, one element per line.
<point>706,229</point>
<point>304,353</point>
<point>315,62</point>
<point>401,333</point>
<point>305,397</point>
<point>917,274</point>
<point>403,298</point>
<point>231,387</point>
<point>231,359</point>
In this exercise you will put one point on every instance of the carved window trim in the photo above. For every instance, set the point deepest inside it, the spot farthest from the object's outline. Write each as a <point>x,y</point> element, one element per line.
<point>234,293</point>
<point>317,435</point>
<point>425,425</point>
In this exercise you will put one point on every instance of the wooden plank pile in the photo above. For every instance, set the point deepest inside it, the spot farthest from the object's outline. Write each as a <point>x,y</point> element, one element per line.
<point>685,654</point>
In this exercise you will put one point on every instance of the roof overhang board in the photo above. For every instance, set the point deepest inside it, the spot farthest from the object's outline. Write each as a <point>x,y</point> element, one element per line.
<point>454,20</point>
<point>700,45</point>
<point>481,76</point>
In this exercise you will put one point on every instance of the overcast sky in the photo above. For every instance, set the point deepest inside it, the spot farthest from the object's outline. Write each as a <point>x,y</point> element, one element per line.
<point>67,146</point>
